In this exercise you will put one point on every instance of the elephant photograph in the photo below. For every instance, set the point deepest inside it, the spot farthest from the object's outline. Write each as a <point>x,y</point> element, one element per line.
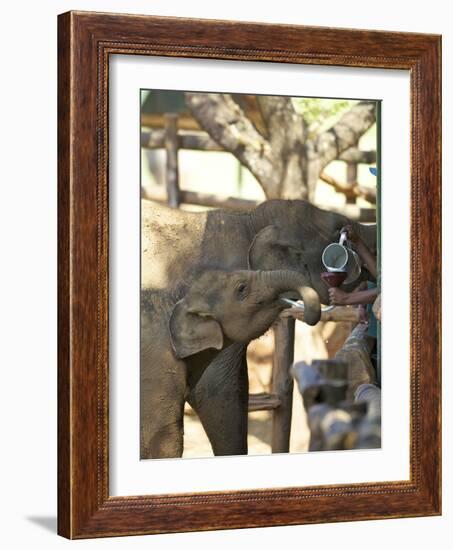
<point>260,274</point>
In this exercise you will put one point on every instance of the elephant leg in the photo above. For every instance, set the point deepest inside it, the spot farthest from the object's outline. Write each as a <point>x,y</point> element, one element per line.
<point>162,397</point>
<point>219,395</point>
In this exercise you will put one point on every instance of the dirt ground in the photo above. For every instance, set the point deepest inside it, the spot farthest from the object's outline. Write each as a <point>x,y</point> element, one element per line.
<point>319,342</point>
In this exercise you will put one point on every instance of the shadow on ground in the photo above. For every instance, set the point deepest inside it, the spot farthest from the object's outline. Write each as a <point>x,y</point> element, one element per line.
<point>259,426</point>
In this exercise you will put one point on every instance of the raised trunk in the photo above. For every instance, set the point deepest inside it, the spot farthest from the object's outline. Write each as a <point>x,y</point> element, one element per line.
<point>284,280</point>
<point>368,234</point>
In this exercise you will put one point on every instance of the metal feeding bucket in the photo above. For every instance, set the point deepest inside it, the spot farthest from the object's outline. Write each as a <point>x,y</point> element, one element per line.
<point>339,257</point>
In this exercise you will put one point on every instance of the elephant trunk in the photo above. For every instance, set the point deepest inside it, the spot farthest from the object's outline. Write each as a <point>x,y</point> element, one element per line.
<point>368,234</point>
<point>284,280</point>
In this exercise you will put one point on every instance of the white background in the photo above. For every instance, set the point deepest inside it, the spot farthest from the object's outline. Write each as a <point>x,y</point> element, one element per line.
<point>129,476</point>
<point>28,271</point>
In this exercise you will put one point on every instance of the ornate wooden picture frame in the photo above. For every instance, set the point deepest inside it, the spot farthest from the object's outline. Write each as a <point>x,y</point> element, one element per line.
<point>85,41</point>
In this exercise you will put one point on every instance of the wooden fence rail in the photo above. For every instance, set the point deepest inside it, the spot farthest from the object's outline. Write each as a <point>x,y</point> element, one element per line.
<point>201,141</point>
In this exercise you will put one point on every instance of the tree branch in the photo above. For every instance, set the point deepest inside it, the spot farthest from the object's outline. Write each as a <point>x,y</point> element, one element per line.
<point>228,125</point>
<point>346,132</point>
<point>356,155</point>
<point>350,191</point>
<point>201,141</point>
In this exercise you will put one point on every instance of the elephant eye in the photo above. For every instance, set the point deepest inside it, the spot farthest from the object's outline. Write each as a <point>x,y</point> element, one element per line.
<point>241,290</point>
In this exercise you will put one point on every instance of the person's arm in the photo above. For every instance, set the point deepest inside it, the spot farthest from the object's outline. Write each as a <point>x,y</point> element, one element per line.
<point>368,259</point>
<point>340,298</point>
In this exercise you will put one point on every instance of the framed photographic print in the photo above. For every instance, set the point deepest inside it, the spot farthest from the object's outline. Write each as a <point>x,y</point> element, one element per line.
<point>238,202</point>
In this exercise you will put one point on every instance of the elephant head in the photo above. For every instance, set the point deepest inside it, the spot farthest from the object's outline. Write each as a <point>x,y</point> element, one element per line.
<point>295,238</point>
<point>237,306</point>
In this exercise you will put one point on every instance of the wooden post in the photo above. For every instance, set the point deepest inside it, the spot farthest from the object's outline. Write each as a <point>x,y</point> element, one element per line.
<point>171,147</point>
<point>351,178</point>
<point>282,384</point>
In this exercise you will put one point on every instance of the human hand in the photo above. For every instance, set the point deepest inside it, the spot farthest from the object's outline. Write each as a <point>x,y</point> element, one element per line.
<point>351,233</point>
<point>338,297</point>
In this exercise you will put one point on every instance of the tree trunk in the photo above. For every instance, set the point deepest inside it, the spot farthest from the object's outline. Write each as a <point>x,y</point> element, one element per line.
<point>287,162</point>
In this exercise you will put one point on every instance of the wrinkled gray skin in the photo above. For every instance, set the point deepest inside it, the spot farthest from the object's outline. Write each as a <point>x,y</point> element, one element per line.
<point>177,246</point>
<point>220,311</point>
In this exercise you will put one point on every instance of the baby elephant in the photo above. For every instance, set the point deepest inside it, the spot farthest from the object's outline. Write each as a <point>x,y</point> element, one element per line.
<point>180,338</point>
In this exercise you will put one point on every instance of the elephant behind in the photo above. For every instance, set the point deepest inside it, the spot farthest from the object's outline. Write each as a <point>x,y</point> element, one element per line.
<point>277,234</point>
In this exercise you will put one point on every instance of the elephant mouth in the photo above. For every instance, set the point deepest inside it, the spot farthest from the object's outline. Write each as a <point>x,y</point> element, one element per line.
<point>291,299</point>
<point>289,295</point>
<point>290,302</point>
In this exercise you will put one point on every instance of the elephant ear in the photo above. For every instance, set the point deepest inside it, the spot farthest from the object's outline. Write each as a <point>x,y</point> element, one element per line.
<point>191,333</point>
<point>263,247</point>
